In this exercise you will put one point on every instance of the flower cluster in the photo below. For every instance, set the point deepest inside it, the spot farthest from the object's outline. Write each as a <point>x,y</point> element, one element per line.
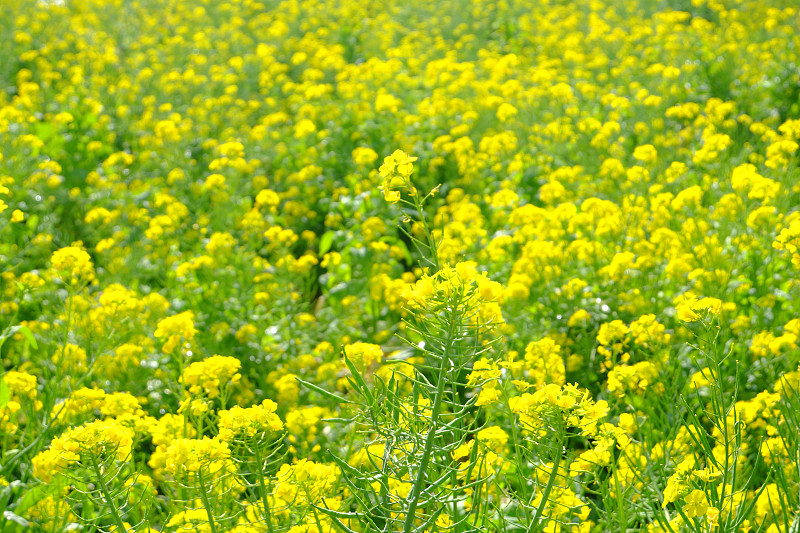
<point>250,422</point>
<point>553,404</point>
<point>73,265</point>
<point>176,329</point>
<point>85,445</point>
<point>193,457</point>
<point>212,376</point>
<point>396,172</point>
<point>789,240</point>
<point>363,354</point>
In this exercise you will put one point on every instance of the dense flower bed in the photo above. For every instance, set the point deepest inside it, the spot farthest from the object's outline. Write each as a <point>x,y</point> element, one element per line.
<point>426,266</point>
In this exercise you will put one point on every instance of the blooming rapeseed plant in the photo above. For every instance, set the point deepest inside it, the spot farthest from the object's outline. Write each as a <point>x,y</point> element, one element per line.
<point>434,267</point>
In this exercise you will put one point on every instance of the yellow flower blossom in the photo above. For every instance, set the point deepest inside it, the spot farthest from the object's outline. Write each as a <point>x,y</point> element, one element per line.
<point>73,265</point>
<point>696,504</point>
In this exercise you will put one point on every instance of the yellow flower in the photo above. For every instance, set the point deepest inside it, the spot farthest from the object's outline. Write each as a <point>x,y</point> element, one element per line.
<point>102,439</point>
<point>194,520</point>
<point>443,521</point>
<point>487,396</point>
<point>303,128</point>
<point>364,156</point>
<point>211,376</point>
<point>363,354</point>
<point>70,357</point>
<point>73,265</point>
<point>493,437</point>
<point>169,428</point>
<point>707,474</point>
<point>489,290</point>
<point>696,504</point>
<point>506,111</point>
<point>544,362</point>
<point>670,493</point>
<point>684,310</point>
<point>646,153</point>
<point>175,328</point>
<point>399,162</point>
<point>688,307</point>
<point>251,422</point>
<point>199,465</point>
<point>396,172</point>
<point>391,196</point>
<point>269,198</point>
<point>579,318</point>
<point>419,293</point>
<point>713,516</point>
<point>20,384</point>
<point>78,405</point>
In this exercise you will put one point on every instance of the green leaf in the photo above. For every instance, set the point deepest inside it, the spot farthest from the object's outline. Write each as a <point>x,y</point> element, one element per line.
<point>28,335</point>
<point>8,515</point>
<point>325,242</point>
<point>5,496</point>
<point>10,332</point>
<point>89,119</point>
<point>320,390</point>
<point>39,493</point>
<point>361,385</point>
<point>331,512</point>
<point>32,222</point>
<point>5,393</point>
<point>338,420</point>
<point>406,252</point>
<point>345,466</point>
<point>44,131</point>
<point>338,523</point>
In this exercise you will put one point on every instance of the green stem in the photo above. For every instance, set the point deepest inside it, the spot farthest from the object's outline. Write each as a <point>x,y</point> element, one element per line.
<point>454,515</point>
<point>263,483</point>
<point>65,341</point>
<point>428,234</point>
<point>204,498</point>
<point>316,519</point>
<point>550,482</point>
<point>623,522</point>
<point>426,454</point>
<point>101,484</point>
<point>523,485</point>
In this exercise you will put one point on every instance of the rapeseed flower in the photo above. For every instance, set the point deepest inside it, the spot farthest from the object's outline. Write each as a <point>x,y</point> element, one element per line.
<point>73,265</point>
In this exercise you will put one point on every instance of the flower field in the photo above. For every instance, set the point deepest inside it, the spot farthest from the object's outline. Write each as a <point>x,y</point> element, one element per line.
<point>439,266</point>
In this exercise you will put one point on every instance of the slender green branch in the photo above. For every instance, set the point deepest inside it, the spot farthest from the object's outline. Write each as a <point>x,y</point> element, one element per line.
<point>101,484</point>
<point>206,504</point>
<point>548,488</point>
<point>264,493</point>
<point>413,497</point>
<point>515,438</point>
